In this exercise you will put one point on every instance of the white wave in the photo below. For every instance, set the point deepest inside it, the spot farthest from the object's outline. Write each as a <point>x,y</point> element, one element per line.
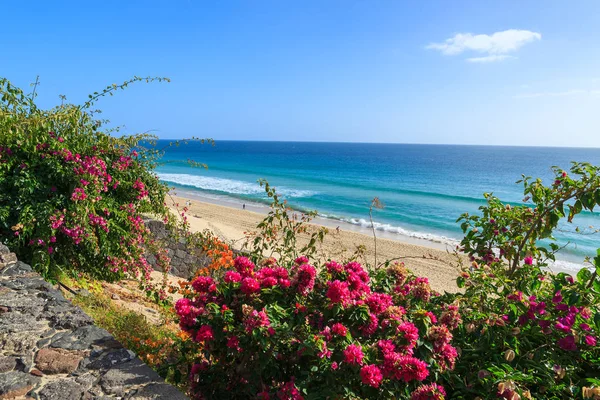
<point>567,266</point>
<point>229,185</point>
<point>388,228</point>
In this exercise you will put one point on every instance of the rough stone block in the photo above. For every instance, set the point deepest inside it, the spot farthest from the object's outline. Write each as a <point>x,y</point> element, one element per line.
<point>14,384</point>
<point>61,389</point>
<point>58,361</point>
<point>117,379</point>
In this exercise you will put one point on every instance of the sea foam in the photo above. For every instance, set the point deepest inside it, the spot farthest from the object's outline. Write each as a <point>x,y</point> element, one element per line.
<point>230,186</point>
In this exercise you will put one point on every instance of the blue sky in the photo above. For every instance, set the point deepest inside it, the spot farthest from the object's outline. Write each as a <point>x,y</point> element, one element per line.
<point>519,72</point>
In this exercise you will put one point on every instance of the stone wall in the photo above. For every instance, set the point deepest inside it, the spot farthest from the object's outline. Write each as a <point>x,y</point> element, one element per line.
<point>50,349</point>
<point>184,263</point>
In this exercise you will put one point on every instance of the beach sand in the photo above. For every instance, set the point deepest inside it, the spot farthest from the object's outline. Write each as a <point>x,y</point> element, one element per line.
<point>231,224</point>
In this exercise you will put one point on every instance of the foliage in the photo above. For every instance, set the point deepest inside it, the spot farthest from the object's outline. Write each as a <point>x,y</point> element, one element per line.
<point>528,333</point>
<point>292,332</point>
<point>73,197</point>
<point>278,234</point>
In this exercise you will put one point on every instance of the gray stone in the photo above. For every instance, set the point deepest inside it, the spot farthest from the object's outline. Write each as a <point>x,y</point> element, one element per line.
<point>15,383</point>
<point>7,258</point>
<point>135,372</point>
<point>17,342</point>
<point>158,391</point>
<point>22,300</point>
<point>180,254</point>
<point>82,338</point>
<point>87,380</point>
<point>17,269</point>
<point>83,293</point>
<point>21,322</point>
<point>7,363</point>
<point>66,316</point>
<point>105,361</point>
<point>61,389</point>
<point>4,249</point>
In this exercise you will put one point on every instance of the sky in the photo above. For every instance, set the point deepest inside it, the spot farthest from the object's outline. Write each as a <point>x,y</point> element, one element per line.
<point>448,72</point>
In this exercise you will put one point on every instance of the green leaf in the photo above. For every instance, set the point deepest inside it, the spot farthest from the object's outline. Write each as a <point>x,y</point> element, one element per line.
<point>584,275</point>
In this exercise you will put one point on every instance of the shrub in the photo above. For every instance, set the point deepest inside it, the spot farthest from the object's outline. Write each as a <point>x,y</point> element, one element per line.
<point>72,196</point>
<point>527,333</point>
<point>293,332</point>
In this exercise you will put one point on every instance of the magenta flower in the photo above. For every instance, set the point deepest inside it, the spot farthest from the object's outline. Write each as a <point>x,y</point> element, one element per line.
<point>567,343</point>
<point>249,286</point>
<point>339,329</point>
<point>232,276</point>
<point>205,334</point>
<point>433,391</point>
<point>590,340</point>
<point>353,355</point>
<point>338,292</point>
<point>371,375</point>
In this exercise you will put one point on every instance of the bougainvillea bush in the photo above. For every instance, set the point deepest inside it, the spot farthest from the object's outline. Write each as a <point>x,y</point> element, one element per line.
<point>527,332</point>
<point>296,331</point>
<point>72,196</point>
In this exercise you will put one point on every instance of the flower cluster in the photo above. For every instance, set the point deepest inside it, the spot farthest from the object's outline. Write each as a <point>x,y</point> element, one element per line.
<point>90,191</point>
<point>262,328</point>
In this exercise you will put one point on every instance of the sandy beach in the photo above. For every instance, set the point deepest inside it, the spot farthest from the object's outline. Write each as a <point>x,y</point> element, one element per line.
<point>231,224</point>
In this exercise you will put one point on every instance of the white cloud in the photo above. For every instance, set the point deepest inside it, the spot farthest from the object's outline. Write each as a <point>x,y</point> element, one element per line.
<point>497,46</point>
<point>488,59</point>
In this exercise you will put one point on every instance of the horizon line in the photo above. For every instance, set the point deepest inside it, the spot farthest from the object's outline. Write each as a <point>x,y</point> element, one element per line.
<point>393,143</point>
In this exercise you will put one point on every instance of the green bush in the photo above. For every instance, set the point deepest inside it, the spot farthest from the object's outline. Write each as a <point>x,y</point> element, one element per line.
<point>528,333</point>
<point>72,196</point>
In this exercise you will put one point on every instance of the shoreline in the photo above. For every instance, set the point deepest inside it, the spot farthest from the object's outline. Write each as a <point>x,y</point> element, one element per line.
<point>229,221</point>
<point>443,244</point>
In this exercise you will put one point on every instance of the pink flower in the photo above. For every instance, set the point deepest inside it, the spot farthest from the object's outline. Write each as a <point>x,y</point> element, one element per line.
<point>232,276</point>
<point>234,343</point>
<point>205,334</point>
<point>249,286</point>
<point>257,319</point>
<point>338,292</point>
<point>289,392</point>
<point>585,327</point>
<point>370,327</point>
<point>379,302</point>
<point>405,368</point>
<point>433,391</point>
<point>410,333</point>
<point>590,340</point>
<point>334,365</point>
<point>333,267</point>
<point>371,375</point>
<point>528,260</point>
<point>339,329</point>
<point>386,346</point>
<point>50,250</point>
<point>244,266</point>
<point>203,284</point>
<point>301,260</point>
<point>567,343</point>
<point>305,279</point>
<point>353,354</point>
<point>78,194</point>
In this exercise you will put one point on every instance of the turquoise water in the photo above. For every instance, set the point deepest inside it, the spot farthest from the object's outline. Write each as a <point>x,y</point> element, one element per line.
<point>424,187</point>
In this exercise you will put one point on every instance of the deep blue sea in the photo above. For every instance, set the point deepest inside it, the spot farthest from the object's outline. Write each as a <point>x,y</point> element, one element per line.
<point>424,187</point>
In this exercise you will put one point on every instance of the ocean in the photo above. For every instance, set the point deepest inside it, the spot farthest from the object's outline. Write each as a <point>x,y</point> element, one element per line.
<point>424,188</point>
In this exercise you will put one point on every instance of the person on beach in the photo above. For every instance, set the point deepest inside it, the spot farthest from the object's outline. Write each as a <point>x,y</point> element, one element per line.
<point>244,206</point>
<point>337,230</point>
